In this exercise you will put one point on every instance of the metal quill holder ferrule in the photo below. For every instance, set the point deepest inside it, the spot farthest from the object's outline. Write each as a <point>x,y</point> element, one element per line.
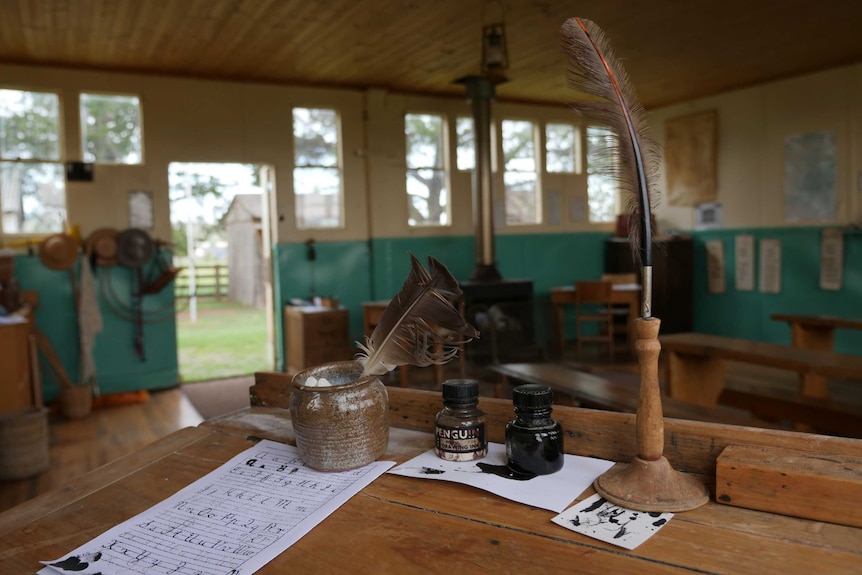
<point>649,483</point>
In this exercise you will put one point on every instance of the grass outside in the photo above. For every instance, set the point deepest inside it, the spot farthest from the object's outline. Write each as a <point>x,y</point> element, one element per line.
<point>227,340</point>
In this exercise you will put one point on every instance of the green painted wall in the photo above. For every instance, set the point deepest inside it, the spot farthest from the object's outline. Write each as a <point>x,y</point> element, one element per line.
<point>360,271</point>
<point>747,314</point>
<point>118,366</point>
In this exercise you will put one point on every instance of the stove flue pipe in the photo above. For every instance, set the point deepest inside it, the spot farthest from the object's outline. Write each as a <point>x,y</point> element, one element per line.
<point>480,92</point>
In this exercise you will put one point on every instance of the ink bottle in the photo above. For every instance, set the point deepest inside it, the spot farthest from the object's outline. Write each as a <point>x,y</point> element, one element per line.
<point>534,441</point>
<point>459,433</point>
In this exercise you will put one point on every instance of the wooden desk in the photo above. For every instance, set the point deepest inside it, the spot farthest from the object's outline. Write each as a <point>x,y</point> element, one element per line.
<point>696,364</point>
<point>404,525</point>
<point>815,331</point>
<point>565,295</point>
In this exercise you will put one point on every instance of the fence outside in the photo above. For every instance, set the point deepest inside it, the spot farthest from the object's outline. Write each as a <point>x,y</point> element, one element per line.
<point>211,282</point>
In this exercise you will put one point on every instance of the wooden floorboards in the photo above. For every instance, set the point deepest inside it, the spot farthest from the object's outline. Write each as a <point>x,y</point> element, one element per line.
<point>81,445</point>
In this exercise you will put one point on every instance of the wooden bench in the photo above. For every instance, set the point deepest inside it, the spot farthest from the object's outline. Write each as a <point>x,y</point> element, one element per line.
<point>695,365</point>
<point>588,390</point>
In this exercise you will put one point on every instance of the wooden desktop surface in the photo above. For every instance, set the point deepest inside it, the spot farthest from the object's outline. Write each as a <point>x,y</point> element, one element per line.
<point>405,525</point>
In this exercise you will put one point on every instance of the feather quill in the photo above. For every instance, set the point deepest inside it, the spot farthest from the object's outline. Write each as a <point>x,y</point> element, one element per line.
<point>593,69</point>
<point>421,325</point>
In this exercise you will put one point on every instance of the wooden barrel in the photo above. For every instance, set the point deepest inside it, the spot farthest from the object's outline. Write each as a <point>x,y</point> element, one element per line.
<point>23,443</point>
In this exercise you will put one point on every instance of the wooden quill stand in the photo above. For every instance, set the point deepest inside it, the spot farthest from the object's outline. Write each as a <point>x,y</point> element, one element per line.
<point>649,483</point>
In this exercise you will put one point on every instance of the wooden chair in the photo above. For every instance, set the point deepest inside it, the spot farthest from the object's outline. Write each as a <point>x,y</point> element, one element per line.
<point>593,305</point>
<point>621,311</point>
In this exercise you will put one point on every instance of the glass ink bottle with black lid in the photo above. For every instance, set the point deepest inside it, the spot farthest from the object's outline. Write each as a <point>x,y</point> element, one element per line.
<point>534,441</point>
<point>459,433</point>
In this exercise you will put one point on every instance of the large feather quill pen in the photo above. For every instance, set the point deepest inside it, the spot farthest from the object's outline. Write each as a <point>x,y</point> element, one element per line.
<point>593,69</point>
<point>421,325</point>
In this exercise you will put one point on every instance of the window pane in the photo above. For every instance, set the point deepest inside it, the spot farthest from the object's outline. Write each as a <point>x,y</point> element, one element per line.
<point>32,196</point>
<point>315,137</point>
<point>428,197</point>
<point>466,143</point>
<point>424,140</point>
<point>602,192</point>
<point>29,125</point>
<point>521,198</point>
<point>111,129</point>
<point>318,197</point>
<point>519,146</point>
<point>561,149</point>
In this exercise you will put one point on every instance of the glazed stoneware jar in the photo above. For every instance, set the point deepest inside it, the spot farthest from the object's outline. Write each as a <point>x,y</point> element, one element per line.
<point>341,426</point>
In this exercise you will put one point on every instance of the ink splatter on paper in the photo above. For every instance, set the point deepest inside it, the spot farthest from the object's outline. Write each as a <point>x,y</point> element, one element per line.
<point>598,518</point>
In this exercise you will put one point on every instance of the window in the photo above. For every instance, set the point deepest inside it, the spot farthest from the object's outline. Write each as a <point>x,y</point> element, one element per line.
<point>602,194</point>
<point>562,149</point>
<point>466,151</point>
<point>427,189</point>
<point>32,185</point>
<point>317,168</point>
<point>523,202</point>
<point>111,129</point>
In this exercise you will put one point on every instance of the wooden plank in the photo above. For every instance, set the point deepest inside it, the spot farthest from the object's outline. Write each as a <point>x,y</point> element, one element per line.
<point>820,362</point>
<point>789,482</point>
<point>823,415</point>
<point>829,321</point>
<point>593,391</point>
<point>690,446</point>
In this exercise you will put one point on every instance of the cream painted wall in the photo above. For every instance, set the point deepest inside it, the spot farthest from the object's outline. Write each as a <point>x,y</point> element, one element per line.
<point>752,126</point>
<point>200,121</point>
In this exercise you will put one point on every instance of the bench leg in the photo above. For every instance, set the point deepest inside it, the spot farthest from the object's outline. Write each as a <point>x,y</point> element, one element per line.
<point>813,385</point>
<point>695,379</point>
<point>498,387</point>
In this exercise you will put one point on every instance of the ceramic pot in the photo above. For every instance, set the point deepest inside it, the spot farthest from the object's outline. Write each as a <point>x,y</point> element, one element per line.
<point>343,426</point>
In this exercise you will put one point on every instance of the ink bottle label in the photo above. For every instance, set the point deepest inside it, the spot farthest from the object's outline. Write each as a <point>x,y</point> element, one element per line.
<point>460,443</point>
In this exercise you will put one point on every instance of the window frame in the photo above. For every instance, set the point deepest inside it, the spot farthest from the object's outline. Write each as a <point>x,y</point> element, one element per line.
<point>140,127</point>
<point>59,161</point>
<point>444,168</point>
<point>338,167</point>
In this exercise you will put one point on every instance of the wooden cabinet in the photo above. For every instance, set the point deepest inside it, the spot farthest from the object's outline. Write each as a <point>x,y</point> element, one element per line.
<point>314,336</point>
<point>672,277</point>
<point>16,388</point>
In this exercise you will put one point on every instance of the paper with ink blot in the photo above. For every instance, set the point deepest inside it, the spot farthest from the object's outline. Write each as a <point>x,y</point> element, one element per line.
<point>232,521</point>
<point>600,519</point>
<point>552,492</point>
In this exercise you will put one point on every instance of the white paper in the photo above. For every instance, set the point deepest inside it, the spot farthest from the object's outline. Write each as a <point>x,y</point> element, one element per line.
<point>597,518</point>
<point>708,216</point>
<point>744,256</point>
<point>552,211</point>
<point>831,259</point>
<point>715,266</point>
<point>770,266</point>
<point>232,521</point>
<point>552,492</point>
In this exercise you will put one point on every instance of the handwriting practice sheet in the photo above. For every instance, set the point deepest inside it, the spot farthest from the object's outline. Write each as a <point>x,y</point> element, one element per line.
<point>232,521</point>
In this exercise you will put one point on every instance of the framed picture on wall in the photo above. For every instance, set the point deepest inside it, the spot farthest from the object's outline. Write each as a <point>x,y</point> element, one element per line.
<point>689,155</point>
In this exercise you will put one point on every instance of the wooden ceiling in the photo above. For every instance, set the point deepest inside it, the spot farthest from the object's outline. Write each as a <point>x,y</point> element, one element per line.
<point>674,50</point>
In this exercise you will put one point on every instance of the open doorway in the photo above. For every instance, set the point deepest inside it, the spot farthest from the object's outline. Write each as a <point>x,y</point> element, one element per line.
<point>219,228</point>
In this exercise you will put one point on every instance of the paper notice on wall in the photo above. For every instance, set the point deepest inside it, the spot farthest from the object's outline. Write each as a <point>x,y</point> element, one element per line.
<point>744,256</point>
<point>770,266</point>
<point>578,209</point>
<point>715,266</point>
<point>831,259</point>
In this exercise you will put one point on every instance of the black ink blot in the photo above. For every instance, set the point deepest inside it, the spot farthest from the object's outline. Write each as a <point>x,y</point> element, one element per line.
<point>601,501</point>
<point>659,523</point>
<point>430,471</point>
<point>504,472</point>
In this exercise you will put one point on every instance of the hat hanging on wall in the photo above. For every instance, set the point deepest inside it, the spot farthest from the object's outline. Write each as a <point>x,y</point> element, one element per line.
<point>101,247</point>
<point>134,248</point>
<point>58,252</point>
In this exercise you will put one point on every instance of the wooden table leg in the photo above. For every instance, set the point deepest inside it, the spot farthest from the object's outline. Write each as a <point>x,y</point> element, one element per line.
<point>560,328</point>
<point>695,378</point>
<point>813,337</point>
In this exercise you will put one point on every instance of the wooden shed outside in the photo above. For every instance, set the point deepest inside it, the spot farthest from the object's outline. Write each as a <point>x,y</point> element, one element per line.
<point>245,263</point>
